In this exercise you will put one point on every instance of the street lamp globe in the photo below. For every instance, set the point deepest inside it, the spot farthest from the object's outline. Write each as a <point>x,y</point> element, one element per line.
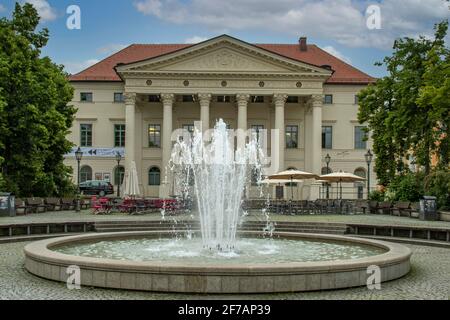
<point>78,154</point>
<point>369,157</point>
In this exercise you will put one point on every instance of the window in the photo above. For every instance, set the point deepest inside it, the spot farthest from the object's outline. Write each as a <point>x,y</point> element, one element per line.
<point>86,135</point>
<point>118,97</point>
<point>154,136</point>
<point>154,176</point>
<point>255,176</point>
<point>257,99</point>
<point>292,99</point>
<point>119,174</point>
<point>119,135</point>
<point>85,174</point>
<point>86,97</point>
<point>360,138</point>
<point>154,98</point>
<point>328,99</point>
<point>188,98</point>
<point>360,172</point>
<point>327,137</point>
<point>224,99</point>
<point>292,137</point>
<point>258,129</point>
<point>189,128</point>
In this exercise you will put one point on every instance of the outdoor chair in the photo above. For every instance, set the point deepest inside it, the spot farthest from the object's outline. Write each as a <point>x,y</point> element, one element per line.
<point>36,204</point>
<point>403,209</point>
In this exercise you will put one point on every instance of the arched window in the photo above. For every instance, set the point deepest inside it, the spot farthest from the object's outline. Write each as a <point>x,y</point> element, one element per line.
<point>154,176</point>
<point>85,174</point>
<point>360,172</point>
<point>119,174</point>
<point>326,170</point>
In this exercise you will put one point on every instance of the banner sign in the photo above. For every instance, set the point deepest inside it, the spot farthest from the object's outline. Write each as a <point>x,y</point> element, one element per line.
<point>97,152</point>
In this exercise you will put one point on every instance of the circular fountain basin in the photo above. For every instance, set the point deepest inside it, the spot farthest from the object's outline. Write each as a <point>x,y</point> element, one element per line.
<point>153,261</point>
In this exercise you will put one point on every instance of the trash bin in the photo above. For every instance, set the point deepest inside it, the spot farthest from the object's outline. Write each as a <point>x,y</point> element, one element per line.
<point>7,205</point>
<point>428,209</point>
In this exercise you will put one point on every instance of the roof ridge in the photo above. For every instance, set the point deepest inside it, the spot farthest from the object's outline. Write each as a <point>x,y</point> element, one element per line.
<point>347,64</point>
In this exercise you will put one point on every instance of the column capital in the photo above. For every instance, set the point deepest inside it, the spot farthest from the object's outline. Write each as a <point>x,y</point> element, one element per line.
<point>316,100</point>
<point>167,98</point>
<point>242,97</point>
<point>130,97</point>
<point>280,98</point>
<point>204,97</point>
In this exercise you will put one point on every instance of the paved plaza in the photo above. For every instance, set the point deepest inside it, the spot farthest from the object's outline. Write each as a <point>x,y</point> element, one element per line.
<point>429,279</point>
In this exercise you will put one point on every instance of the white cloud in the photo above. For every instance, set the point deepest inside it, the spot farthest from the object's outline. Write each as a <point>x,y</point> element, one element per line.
<point>195,39</point>
<point>77,66</point>
<point>333,51</point>
<point>45,11</point>
<point>343,21</point>
<point>111,48</point>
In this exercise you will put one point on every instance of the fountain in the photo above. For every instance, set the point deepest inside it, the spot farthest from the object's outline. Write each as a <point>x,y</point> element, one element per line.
<point>220,176</point>
<point>217,257</point>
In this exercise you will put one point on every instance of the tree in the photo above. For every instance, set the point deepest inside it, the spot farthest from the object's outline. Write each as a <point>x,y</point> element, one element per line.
<point>400,121</point>
<point>35,115</point>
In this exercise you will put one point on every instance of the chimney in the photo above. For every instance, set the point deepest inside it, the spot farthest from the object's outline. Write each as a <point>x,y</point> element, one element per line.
<point>303,44</point>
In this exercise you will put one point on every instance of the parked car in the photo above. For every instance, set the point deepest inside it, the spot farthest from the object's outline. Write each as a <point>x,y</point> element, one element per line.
<point>99,188</point>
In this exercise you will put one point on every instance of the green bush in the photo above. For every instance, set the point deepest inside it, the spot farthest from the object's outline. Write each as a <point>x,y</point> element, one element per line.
<point>437,184</point>
<point>377,196</point>
<point>408,187</point>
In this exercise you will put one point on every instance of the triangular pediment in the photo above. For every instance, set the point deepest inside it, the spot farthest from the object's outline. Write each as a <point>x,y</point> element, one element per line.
<point>223,55</point>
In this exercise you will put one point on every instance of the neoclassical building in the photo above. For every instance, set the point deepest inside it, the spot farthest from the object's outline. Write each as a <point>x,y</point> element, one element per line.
<point>132,101</point>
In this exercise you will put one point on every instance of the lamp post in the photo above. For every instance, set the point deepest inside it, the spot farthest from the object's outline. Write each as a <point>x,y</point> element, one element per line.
<point>327,161</point>
<point>119,180</point>
<point>369,158</point>
<point>78,156</point>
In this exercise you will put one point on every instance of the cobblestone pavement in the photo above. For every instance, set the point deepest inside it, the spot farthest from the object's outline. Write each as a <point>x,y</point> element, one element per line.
<point>87,216</point>
<point>429,279</point>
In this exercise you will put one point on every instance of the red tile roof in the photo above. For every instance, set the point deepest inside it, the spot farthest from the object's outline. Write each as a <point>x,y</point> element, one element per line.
<point>104,70</point>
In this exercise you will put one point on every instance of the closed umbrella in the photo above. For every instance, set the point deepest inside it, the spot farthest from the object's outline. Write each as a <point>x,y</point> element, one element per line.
<point>340,177</point>
<point>132,182</point>
<point>291,175</point>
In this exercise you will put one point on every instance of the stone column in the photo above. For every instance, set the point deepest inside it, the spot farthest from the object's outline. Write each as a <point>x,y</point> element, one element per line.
<point>167,100</point>
<point>316,146</point>
<point>242,102</point>
<point>280,101</point>
<point>205,101</point>
<point>130,128</point>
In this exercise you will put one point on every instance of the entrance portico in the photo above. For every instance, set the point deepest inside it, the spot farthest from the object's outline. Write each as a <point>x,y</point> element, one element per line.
<point>226,67</point>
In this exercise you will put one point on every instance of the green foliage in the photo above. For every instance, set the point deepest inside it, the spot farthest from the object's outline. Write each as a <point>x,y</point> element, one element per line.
<point>407,187</point>
<point>408,110</point>
<point>34,114</point>
<point>376,196</point>
<point>438,184</point>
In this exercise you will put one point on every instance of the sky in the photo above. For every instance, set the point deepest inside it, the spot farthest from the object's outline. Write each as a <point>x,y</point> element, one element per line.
<point>361,32</point>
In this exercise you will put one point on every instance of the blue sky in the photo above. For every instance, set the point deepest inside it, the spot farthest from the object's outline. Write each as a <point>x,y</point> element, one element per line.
<point>339,26</point>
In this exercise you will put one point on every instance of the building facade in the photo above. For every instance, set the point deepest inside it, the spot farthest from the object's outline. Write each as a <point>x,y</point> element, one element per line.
<point>132,101</point>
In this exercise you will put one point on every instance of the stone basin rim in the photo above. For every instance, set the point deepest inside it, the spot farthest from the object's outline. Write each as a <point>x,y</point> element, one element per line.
<point>41,251</point>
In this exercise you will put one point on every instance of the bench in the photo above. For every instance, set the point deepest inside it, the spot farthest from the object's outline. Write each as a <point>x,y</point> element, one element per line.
<point>36,205</point>
<point>361,206</point>
<point>385,208</point>
<point>373,207</point>
<point>53,204</point>
<point>403,209</point>
<point>67,204</point>
<point>22,207</point>
<point>85,204</point>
